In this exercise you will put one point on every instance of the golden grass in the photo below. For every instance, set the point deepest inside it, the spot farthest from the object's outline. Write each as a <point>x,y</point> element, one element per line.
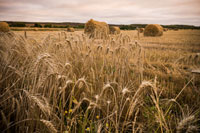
<point>55,81</point>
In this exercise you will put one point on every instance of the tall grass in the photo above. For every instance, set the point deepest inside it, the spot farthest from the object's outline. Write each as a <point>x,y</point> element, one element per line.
<point>76,84</point>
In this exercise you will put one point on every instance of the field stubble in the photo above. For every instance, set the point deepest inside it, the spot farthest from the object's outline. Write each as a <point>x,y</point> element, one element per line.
<point>68,82</point>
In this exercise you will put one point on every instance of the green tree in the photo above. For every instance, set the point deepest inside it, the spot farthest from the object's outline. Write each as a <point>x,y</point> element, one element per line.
<point>37,25</point>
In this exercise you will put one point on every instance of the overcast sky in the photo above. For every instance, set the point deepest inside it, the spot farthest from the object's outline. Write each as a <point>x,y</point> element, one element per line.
<point>110,11</point>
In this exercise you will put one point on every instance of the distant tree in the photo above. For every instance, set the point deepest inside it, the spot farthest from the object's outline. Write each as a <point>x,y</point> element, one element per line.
<point>57,26</point>
<point>79,26</point>
<point>37,25</point>
<point>17,24</point>
<point>67,26</point>
<point>48,26</point>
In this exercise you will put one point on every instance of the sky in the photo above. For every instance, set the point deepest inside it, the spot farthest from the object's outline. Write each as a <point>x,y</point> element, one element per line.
<point>110,11</point>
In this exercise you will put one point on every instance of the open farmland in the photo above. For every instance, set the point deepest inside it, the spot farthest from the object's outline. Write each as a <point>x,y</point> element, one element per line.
<point>56,81</point>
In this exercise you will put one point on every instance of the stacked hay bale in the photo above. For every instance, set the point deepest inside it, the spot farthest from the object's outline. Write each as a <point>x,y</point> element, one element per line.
<point>114,30</point>
<point>153,30</point>
<point>4,27</point>
<point>70,29</point>
<point>97,30</point>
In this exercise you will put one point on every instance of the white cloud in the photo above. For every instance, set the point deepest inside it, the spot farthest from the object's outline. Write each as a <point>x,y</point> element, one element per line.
<point>112,11</point>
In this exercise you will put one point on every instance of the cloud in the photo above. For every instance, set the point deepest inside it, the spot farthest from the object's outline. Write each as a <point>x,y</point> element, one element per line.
<point>112,11</point>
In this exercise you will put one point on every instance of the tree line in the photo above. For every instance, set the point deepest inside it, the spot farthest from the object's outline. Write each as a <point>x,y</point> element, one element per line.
<point>81,26</point>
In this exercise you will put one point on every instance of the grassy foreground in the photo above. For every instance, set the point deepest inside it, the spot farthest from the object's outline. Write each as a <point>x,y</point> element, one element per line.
<point>66,82</point>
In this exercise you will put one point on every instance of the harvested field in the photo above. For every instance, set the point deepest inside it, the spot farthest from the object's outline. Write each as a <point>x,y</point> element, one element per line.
<point>59,81</point>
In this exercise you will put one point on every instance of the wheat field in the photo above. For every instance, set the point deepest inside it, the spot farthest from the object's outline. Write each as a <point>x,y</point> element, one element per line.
<point>58,81</point>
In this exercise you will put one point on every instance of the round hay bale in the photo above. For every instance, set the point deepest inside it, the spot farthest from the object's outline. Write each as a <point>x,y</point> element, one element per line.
<point>70,29</point>
<point>4,27</point>
<point>141,30</point>
<point>114,30</point>
<point>153,30</point>
<point>175,29</point>
<point>165,29</point>
<point>95,29</point>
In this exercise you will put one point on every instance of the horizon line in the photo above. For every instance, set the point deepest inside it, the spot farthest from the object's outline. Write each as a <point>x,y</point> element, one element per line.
<point>85,22</point>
